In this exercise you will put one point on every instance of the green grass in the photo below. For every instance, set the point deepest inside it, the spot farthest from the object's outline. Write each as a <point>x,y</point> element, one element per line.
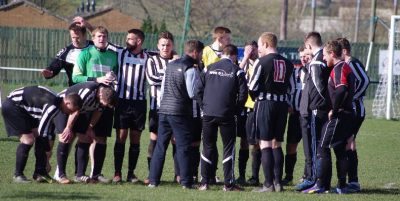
<point>379,172</point>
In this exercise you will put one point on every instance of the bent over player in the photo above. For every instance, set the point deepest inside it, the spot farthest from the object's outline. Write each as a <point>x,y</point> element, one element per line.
<point>28,113</point>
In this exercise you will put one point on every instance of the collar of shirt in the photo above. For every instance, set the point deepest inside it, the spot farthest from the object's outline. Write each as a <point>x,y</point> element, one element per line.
<point>316,51</point>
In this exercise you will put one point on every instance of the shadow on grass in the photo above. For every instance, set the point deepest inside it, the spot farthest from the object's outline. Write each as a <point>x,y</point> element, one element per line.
<point>9,139</point>
<point>380,191</point>
<point>52,196</point>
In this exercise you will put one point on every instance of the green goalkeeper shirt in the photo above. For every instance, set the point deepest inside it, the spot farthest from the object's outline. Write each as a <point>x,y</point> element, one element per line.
<point>93,63</point>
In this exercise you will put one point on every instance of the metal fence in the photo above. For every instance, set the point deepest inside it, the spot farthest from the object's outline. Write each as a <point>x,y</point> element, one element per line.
<point>34,48</point>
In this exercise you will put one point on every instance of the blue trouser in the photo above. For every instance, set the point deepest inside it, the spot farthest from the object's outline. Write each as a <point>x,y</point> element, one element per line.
<point>180,127</point>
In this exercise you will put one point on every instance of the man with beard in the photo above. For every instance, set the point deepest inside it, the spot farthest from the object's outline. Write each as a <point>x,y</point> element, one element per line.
<point>130,113</point>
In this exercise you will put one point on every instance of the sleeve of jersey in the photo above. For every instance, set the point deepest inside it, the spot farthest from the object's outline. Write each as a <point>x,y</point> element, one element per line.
<point>79,73</point>
<point>362,78</point>
<point>45,123</point>
<point>199,88</point>
<point>152,75</point>
<point>56,66</point>
<point>339,75</point>
<point>253,82</point>
<point>316,76</point>
<point>243,89</point>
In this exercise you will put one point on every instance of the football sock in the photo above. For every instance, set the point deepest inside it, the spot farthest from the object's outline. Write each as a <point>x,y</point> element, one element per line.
<point>341,166</point>
<point>21,158</point>
<point>40,155</point>
<point>255,165</point>
<point>278,164</point>
<point>62,157</point>
<point>353,165</point>
<point>150,150</point>
<point>290,162</point>
<point>243,158</point>
<point>119,152</point>
<point>82,158</point>
<point>134,150</point>
<point>174,156</point>
<point>195,160</point>
<point>99,156</point>
<point>267,161</point>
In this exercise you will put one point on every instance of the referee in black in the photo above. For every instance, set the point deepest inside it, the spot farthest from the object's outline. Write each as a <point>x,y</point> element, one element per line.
<point>220,92</point>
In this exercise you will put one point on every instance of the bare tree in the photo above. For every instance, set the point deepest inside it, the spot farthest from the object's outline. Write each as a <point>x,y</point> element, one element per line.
<point>284,13</point>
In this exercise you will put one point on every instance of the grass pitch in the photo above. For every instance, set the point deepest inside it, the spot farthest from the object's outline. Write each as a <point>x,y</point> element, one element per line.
<point>379,172</point>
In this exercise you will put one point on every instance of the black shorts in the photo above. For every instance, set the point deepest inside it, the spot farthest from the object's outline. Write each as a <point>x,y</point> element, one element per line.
<point>17,121</point>
<point>153,121</point>
<point>336,131</point>
<point>357,125</point>
<point>103,127</point>
<point>251,128</point>
<point>130,114</point>
<point>271,118</point>
<point>294,129</point>
<point>196,129</point>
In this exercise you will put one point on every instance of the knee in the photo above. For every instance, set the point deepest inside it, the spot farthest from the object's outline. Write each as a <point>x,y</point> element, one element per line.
<point>28,139</point>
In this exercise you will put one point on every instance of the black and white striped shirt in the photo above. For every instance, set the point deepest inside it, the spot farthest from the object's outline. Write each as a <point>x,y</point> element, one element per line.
<point>40,103</point>
<point>87,91</point>
<point>131,73</point>
<point>155,69</point>
<point>362,79</point>
<point>295,93</point>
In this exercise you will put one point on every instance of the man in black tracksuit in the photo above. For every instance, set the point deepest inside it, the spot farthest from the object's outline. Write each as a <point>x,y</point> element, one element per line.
<point>221,90</point>
<point>313,107</point>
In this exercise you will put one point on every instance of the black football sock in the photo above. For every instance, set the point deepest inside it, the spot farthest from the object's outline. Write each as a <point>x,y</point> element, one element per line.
<point>278,164</point>
<point>134,150</point>
<point>255,165</point>
<point>341,166</point>
<point>62,157</point>
<point>99,156</point>
<point>267,161</point>
<point>41,144</point>
<point>119,152</point>
<point>243,158</point>
<point>21,158</point>
<point>353,165</point>
<point>290,162</point>
<point>82,158</point>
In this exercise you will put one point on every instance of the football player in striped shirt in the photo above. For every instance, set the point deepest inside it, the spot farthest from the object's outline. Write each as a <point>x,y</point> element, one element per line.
<point>362,82</point>
<point>28,113</point>
<point>130,113</point>
<point>294,134</point>
<point>96,99</point>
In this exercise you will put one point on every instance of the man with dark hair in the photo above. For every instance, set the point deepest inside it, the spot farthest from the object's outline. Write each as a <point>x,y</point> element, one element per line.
<point>155,70</point>
<point>98,64</point>
<point>28,113</point>
<point>270,85</point>
<point>294,129</point>
<point>247,64</point>
<point>96,98</point>
<point>66,57</point>
<point>220,91</point>
<point>362,82</point>
<point>338,128</point>
<point>130,113</point>
<point>175,114</point>
<point>313,107</point>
